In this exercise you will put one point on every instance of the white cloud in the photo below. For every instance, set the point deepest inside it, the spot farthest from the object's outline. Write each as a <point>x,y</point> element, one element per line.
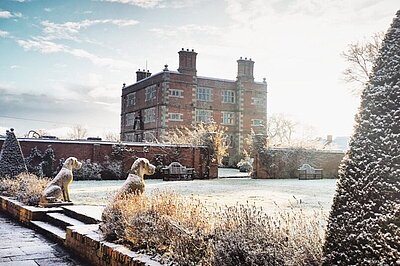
<point>88,12</point>
<point>99,61</point>
<point>15,66</point>
<point>42,46</point>
<point>5,14</point>
<point>69,30</point>
<point>48,47</point>
<point>190,29</point>
<point>47,9</point>
<point>139,3</point>
<point>8,14</point>
<point>155,3</point>
<point>4,34</point>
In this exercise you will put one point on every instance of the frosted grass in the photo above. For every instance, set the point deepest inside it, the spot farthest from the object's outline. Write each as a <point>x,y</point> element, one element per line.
<point>271,195</point>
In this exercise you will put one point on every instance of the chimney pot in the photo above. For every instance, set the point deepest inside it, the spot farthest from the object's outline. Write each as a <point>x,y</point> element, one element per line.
<point>183,49</point>
<point>192,50</point>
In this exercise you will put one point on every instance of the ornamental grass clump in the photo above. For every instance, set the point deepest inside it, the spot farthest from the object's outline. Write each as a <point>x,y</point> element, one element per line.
<point>26,188</point>
<point>184,231</point>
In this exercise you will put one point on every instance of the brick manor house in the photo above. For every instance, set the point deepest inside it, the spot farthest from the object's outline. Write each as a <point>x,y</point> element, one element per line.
<point>168,99</point>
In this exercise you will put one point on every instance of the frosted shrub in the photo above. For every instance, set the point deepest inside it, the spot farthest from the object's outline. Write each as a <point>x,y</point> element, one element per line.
<point>182,231</point>
<point>88,171</point>
<point>26,188</point>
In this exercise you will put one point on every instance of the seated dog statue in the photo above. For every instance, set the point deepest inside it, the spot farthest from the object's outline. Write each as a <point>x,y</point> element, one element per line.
<point>58,188</point>
<point>134,183</point>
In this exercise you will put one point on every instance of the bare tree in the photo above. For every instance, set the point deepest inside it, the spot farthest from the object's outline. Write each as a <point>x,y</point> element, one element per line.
<point>77,132</point>
<point>361,57</point>
<point>112,136</point>
<point>280,129</point>
<point>210,134</point>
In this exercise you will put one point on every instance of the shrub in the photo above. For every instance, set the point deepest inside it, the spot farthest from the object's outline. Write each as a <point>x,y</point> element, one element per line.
<point>185,232</point>
<point>88,171</point>
<point>26,188</point>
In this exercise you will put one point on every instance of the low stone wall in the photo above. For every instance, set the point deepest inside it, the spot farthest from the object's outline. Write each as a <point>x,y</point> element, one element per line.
<point>283,163</point>
<point>23,213</point>
<point>85,241</point>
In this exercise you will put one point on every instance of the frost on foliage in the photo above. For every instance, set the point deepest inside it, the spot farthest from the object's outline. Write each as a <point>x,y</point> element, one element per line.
<point>88,171</point>
<point>11,159</point>
<point>48,160</point>
<point>33,162</point>
<point>364,223</point>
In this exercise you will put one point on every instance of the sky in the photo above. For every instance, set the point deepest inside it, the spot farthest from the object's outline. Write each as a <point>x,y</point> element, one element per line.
<point>63,63</point>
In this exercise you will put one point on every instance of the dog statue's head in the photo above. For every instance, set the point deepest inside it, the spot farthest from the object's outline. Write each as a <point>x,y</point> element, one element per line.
<point>142,165</point>
<point>72,163</point>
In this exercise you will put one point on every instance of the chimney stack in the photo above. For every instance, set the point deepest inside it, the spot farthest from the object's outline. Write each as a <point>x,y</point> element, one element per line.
<point>245,69</point>
<point>142,74</point>
<point>187,62</point>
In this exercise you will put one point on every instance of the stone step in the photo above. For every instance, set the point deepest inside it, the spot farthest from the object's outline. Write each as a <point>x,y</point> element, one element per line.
<point>50,231</point>
<point>62,220</point>
<point>84,213</point>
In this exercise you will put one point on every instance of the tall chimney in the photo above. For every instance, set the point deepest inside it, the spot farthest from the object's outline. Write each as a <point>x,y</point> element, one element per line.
<point>142,74</point>
<point>187,62</point>
<point>245,69</point>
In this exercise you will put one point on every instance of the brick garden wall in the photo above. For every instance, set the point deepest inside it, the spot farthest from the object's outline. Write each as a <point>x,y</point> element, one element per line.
<point>96,151</point>
<point>286,162</point>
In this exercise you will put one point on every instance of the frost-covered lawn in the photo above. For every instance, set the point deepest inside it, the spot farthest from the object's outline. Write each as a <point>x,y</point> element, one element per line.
<point>269,194</point>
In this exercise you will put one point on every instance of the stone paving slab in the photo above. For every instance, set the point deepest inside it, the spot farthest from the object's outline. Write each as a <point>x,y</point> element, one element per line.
<point>21,246</point>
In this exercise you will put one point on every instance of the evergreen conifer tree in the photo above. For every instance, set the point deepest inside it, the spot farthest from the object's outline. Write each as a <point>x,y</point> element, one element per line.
<point>33,162</point>
<point>11,159</point>
<point>364,223</point>
<point>48,162</point>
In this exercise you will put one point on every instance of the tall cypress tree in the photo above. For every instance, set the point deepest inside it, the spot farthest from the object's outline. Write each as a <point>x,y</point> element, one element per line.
<point>364,223</point>
<point>12,161</point>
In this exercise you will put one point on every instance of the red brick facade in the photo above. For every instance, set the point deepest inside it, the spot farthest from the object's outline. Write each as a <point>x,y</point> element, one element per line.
<point>189,156</point>
<point>156,103</point>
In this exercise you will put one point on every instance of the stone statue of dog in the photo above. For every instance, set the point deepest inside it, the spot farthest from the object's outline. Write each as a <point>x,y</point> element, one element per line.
<point>134,183</point>
<point>58,188</point>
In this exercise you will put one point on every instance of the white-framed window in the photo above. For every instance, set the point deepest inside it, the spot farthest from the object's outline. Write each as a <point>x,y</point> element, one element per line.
<point>149,115</point>
<point>257,101</point>
<point>175,117</point>
<point>131,99</point>
<point>228,96</point>
<point>129,136</point>
<point>203,115</point>
<point>204,94</point>
<point>176,93</point>
<point>129,119</point>
<point>257,122</point>
<point>228,118</point>
<point>150,93</point>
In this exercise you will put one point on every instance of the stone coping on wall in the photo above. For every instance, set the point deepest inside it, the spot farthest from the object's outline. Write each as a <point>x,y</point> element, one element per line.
<point>84,240</point>
<point>87,241</point>
<point>22,212</point>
